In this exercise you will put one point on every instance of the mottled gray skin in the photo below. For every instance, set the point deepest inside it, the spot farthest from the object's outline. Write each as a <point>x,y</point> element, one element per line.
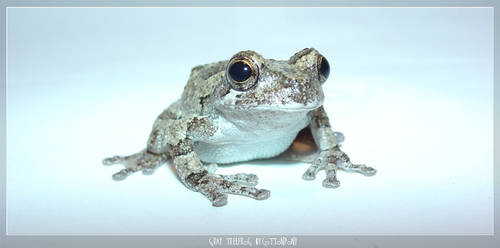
<point>218,120</point>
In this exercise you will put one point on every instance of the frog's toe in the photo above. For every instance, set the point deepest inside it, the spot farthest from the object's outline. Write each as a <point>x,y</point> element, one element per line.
<point>122,159</point>
<point>112,160</point>
<point>148,171</point>
<point>339,137</point>
<point>358,168</point>
<point>251,179</point>
<point>217,198</point>
<point>263,194</point>
<point>141,161</point>
<point>331,182</point>
<point>309,175</point>
<point>210,187</point>
<point>242,178</point>
<point>220,200</point>
<point>216,187</point>
<point>119,176</point>
<point>247,179</point>
<point>368,171</point>
<point>318,164</point>
<point>257,194</point>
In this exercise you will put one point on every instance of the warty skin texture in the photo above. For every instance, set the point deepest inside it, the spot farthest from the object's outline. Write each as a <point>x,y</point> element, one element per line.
<point>221,120</point>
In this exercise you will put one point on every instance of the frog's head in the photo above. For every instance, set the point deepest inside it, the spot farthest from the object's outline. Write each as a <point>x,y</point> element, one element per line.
<point>252,82</point>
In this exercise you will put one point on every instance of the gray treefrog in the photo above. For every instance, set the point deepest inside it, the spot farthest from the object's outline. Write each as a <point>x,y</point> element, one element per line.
<point>242,109</point>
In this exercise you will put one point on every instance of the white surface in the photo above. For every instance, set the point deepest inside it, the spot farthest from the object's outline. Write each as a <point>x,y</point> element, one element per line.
<point>411,89</point>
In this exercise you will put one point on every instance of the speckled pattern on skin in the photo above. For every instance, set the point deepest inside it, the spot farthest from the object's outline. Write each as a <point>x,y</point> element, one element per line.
<point>244,108</point>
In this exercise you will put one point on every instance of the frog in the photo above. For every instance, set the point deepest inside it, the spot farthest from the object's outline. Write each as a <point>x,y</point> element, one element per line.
<point>243,109</point>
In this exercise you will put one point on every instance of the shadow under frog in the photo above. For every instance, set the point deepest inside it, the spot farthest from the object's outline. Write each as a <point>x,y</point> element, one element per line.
<point>243,109</point>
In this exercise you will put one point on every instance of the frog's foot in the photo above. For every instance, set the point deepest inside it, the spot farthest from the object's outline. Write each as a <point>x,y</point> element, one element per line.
<point>332,160</point>
<point>216,187</point>
<point>142,161</point>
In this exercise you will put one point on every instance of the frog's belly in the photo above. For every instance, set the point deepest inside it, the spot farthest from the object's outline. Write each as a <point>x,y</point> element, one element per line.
<point>243,151</point>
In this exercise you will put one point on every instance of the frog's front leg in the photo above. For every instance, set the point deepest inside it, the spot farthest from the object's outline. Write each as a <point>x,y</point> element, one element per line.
<point>177,137</point>
<point>145,160</point>
<point>330,158</point>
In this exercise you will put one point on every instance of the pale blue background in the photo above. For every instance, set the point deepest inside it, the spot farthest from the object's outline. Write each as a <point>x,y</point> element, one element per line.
<point>411,88</point>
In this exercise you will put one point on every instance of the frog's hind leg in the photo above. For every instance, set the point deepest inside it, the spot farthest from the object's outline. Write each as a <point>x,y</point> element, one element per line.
<point>142,161</point>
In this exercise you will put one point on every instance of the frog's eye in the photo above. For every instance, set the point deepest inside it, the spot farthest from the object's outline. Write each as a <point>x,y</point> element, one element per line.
<point>242,74</point>
<point>323,69</point>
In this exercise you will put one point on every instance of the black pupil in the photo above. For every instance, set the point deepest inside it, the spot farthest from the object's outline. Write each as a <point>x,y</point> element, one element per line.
<point>240,71</point>
<point>324,68</point>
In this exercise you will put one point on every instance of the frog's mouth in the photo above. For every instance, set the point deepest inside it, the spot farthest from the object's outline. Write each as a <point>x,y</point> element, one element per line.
<point>281,101</point>
<point>291,107</point>
<point>305,103</point>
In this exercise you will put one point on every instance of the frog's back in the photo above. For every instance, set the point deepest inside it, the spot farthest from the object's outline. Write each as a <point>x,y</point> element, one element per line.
<point>201,86</point>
